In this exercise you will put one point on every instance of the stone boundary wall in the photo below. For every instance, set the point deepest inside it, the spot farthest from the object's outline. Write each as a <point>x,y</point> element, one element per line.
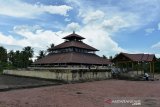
<point>66,75</point>
<point>133,73</point>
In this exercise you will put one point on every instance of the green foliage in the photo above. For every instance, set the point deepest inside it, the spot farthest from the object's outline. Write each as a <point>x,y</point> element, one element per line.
<point>104,57</point>
<point>3,58</point>
<point>3,65</point>
<point>21,59</point>
<point>1,68</point>
<point>110,57</point>
<point>50,47</point>
<point>41,54</point>
<point>3,54</point>
<point>18,59</point>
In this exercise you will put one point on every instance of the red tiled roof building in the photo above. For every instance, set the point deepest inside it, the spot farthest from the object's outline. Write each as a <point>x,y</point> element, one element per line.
<point>73,51</point>
<point>135,62</point>
<point>122,57</point>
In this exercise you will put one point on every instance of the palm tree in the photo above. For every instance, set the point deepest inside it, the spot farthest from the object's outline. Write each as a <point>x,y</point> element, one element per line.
<point>11,56</point>
<point>26,55</point>
<point>50,47</point>
<point>28,51</point>
<point>3,54</point>
<point>41,54</point>
<point>3,58</point>
<point>104,57</point>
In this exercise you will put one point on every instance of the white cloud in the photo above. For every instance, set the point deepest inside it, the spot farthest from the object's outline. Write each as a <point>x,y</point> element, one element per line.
<point>33,36</point>
<point>26,28</point>
<point>91,16</point>
<point>114,24</point>
<point>99,23</point>
<point>39,38</point>
<point>135,13</point>
<point>110,19</point>
<point>6,39</point>
<point>10,40</point>
<point>62,10</point>
<point>149,30</point>
<point>157,45</point>
<point>100,39</point>
<point>73,26</point>
<point>22,9</point>
<point>147,10</point>
<point>157,55</point>
<point>98,29</point>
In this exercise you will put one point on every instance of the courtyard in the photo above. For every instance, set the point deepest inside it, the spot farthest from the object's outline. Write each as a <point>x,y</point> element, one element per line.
<point>88,94</point>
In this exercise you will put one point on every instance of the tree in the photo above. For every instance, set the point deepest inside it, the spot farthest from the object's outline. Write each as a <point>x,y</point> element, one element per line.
<point>3,54</point>
<point>21,59</point>
<point>17,59</point>
<point>116,55</point>
<point>11,56</point>
<point>11,59</point>
<point>28,52</point>
<point>26,55</point>
<point>3,58</point>
<point>104,57</point>
<point>41,54</point>
<point>110,58</point>
<point>50,47</point>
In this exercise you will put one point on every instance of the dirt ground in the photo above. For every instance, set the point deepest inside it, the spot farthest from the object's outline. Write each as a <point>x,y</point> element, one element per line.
<point>89,94</point>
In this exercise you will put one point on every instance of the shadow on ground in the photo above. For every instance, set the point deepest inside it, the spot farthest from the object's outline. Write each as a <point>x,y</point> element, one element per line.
<point>8,82</point>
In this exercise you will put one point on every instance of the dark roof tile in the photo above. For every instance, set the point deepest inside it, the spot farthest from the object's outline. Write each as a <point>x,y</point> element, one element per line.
<point>78,44</point>
<point>73,35</point>
<point>73,57</point>
<point>140,57</point>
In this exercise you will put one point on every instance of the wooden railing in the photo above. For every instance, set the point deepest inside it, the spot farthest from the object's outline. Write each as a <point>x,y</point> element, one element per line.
<point>72,68</point>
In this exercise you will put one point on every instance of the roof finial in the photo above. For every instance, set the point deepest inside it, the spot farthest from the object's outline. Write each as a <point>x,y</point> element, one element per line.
<point>73,32</point>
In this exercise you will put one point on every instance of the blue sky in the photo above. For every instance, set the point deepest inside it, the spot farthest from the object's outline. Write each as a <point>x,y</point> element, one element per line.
<point>112,26</point>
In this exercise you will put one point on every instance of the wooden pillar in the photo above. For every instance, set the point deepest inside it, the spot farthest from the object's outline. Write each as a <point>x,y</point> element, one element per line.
<point>142,68</point>
<point>150,64</point>
<point>153,68</point>
<point>116,64</point>
<point>127,66</point>
<point>67,75</point>
<point>137,67</point>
